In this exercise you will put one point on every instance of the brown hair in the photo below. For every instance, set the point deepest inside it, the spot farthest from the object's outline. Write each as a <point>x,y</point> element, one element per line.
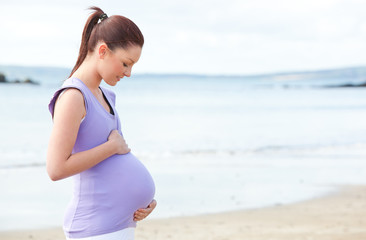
<point>116,31</point>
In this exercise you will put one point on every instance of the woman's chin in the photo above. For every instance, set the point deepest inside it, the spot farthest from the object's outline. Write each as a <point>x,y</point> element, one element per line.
<point>111,83</point>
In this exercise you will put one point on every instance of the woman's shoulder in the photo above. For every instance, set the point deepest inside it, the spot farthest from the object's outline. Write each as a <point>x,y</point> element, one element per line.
<point>71,91</point>
<point>74,82</point>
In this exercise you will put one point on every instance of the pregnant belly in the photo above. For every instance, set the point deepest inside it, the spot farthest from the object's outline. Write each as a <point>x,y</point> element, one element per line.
<point>125,181</point>
<point>107,195</point>
<point>119,186</point>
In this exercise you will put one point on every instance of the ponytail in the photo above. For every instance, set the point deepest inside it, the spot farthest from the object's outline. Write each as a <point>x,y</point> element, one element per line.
<point>115,31</point>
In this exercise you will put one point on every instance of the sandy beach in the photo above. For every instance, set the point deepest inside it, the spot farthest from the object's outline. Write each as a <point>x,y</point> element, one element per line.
<point>339,216</point>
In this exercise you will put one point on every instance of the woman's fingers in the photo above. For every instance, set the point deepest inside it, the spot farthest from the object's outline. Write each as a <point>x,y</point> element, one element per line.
<point>152,204</point>
<point>138,216</point>
<point>142,213</point>
<point>119,142</point>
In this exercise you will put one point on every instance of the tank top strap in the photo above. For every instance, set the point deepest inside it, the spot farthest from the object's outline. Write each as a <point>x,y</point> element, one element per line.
<point>110,95</point>
<point>71,83</point>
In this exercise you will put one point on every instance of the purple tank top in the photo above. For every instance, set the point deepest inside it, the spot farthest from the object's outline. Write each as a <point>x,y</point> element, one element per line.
<point>105,196</point>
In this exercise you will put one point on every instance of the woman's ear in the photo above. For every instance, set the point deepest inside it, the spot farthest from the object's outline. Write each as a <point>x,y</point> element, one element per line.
<point>102,50</point>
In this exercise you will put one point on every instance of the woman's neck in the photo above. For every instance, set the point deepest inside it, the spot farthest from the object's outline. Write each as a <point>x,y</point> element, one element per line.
<point>88,74</point>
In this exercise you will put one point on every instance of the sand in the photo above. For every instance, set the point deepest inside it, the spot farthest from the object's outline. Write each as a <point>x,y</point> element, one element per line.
<point>340,216</point>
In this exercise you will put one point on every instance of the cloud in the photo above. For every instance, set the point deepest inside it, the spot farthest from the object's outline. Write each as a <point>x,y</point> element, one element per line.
<point>232,36</point>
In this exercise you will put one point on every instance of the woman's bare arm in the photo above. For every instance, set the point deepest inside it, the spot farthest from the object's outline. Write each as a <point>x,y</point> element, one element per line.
<point>67,117</point>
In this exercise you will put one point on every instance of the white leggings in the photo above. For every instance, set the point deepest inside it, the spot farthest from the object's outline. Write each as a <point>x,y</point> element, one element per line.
<point>124,234</point>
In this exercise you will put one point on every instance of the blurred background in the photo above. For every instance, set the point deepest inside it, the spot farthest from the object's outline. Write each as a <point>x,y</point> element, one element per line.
<point>233,104</point>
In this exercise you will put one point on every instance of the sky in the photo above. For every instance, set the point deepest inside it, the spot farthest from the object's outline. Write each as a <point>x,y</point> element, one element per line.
<point>231,37</point>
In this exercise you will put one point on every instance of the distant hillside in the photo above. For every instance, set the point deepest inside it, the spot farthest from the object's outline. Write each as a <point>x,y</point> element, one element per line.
<point>352,75</point>
<point>40,74</point>
<point>351,72</point>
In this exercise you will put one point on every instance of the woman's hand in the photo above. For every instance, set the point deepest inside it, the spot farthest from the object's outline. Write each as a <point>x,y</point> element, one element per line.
<point>119,142</point>
<point>144,212</point>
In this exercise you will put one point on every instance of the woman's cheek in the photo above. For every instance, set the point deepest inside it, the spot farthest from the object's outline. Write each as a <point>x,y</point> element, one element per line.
<point>118,68</point>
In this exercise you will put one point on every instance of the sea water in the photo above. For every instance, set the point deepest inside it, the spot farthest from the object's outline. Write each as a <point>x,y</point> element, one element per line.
<point>212,144</point>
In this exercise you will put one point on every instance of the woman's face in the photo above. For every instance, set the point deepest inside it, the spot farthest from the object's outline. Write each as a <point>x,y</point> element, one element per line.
<point>118,63</point>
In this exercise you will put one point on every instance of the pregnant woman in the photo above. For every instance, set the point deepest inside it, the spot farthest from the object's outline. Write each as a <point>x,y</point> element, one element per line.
<point>112,188</point>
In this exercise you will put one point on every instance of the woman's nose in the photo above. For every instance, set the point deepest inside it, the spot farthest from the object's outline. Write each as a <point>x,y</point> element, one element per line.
<point>128,72</point>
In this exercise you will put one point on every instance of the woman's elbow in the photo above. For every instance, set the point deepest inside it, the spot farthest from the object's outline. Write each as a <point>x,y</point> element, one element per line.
<point>54,173</point>
<point>54,176</point>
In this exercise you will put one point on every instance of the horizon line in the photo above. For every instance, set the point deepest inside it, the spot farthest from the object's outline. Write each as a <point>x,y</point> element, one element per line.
<point>284,72</point>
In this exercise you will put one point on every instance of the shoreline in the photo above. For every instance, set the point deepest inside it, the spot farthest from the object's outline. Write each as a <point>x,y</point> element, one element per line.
<point>339,215</point>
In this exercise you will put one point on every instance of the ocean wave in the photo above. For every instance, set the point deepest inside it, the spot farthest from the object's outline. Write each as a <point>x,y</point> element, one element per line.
<point>22,165</point>
<point>351,149</point>
<point>273,148</point>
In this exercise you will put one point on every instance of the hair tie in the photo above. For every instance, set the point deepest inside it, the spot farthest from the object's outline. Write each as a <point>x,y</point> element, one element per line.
<point>103,16</point>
